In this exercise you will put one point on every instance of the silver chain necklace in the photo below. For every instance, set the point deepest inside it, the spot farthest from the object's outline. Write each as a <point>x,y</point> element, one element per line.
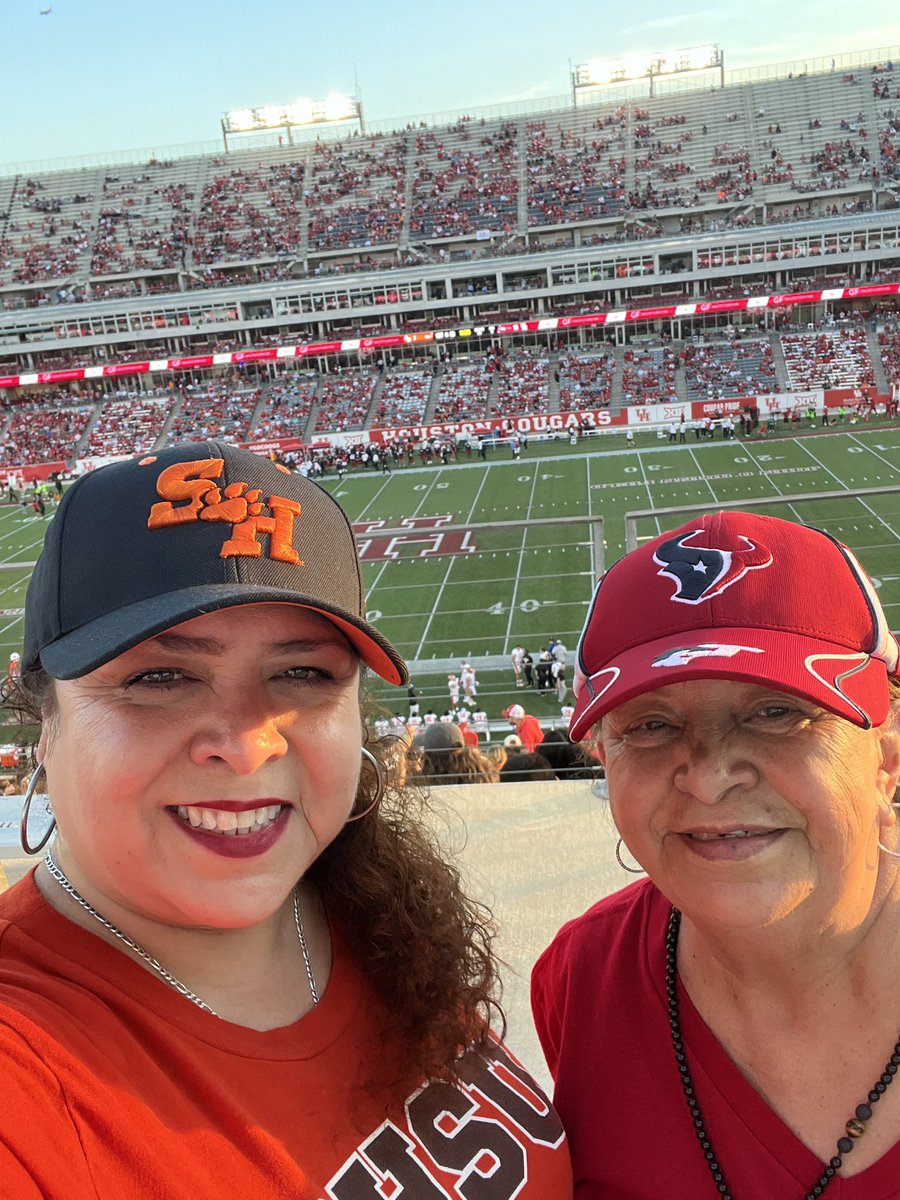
<point>62,879</point>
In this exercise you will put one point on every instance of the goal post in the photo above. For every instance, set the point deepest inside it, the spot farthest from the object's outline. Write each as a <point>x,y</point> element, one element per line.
<point>633,518</point>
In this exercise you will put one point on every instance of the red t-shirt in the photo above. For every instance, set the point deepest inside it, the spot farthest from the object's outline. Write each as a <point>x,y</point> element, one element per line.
<point>114,1087</point>
<point>599,1002</point>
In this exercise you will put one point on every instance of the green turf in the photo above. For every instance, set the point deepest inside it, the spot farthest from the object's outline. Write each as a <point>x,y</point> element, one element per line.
<point>532,582</point>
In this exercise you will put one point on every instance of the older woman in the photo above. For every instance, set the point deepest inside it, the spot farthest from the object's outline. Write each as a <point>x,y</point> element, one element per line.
<point>729,1025</point>
<point>234,974</point>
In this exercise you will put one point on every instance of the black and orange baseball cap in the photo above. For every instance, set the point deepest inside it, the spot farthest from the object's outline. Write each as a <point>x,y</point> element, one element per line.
<point>141,545</point>
<point>732,595</point>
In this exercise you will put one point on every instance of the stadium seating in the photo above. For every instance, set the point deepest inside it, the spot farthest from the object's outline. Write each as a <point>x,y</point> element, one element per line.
<point>586,381</point>
<point>828,359</point>
<point>648,375</point>
<point>218,410</point>
<point>344,401</point>
<point>43,435</point>
<point>128,427</point>
<point>733,368</point>
<point>463,394</point>
<point>403,398</point>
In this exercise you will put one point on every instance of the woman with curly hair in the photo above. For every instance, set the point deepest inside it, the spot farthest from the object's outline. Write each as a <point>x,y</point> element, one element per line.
<point>242,966</point>
<point>441,756</point>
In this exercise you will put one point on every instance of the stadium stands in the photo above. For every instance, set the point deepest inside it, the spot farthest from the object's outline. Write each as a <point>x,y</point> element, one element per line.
<point>722,369</point>
<point>781,183</point>
<point>827,359</point>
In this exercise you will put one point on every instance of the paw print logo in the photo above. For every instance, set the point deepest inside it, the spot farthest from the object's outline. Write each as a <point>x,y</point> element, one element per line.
<point>190,493</point>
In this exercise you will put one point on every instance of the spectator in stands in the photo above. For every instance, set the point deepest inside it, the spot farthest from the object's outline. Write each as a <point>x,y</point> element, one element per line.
<point>444,757</point>
<point>178,1014</point>
<point>567,761</point>
<point>526,767</point>
<point>527,728</point>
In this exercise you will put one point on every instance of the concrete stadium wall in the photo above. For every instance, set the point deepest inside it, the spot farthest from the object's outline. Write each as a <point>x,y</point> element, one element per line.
<point>538,854</point>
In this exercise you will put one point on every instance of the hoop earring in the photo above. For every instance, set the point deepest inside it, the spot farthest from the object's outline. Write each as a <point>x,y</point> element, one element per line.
<point>379,791</point>
<point>26,808</point>
<point>624,865</point>
<point>892,853</point>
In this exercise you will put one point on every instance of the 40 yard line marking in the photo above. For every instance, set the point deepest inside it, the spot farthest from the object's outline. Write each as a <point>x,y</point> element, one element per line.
<point>434,608</point>
<point>515,591</point>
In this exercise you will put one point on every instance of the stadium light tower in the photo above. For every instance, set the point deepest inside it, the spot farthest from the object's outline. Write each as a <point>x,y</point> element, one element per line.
<point>603,73</point>
<point>333,109</point>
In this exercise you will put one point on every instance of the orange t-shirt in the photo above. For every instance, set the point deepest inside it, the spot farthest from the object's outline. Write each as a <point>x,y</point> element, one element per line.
<point>114,1086</point>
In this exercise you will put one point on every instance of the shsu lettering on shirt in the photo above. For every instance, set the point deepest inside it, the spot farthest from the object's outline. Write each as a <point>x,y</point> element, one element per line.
<point>478,1134</point>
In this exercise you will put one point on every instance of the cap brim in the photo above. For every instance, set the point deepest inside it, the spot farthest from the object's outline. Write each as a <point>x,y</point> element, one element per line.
<point>851,684</point>
<point>99,641</point>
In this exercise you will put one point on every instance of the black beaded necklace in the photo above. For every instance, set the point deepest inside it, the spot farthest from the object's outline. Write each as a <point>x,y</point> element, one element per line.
<point>855,1127</point>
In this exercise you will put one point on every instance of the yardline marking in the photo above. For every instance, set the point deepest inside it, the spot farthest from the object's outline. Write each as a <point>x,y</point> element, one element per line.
<point>470,583</point>
<point>515,590</point>
<point>556,605</point>
<point>375,582</point>
<point>437,601</point>
<point>875,453</point>
<point>781,471</point>
<point>649,491</point>
<point>474,504</point>
<point>859,499</point>
<point>384,483</point>
<point>9,625</point>
<point>712,490</point>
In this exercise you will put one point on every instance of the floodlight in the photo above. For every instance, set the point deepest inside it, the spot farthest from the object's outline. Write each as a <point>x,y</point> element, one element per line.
<point>602,72</point>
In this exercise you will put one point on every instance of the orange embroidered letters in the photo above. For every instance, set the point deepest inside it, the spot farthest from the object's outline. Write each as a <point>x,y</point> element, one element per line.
<point>237,504</point>
<point>279,527</point>
<point>189,481</point>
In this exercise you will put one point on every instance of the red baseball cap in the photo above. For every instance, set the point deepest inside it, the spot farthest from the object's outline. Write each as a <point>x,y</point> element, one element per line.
<point>731,595</point>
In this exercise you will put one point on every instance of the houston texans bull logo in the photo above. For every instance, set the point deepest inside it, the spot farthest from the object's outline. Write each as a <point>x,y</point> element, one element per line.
<point>702,572</point>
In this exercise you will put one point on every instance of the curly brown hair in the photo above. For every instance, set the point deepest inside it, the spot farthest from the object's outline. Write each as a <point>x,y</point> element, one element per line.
<point>463,764</point>
<point>422,943</point>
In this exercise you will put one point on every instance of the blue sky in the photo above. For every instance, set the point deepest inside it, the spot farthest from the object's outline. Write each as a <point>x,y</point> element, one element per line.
<point>97,76</point>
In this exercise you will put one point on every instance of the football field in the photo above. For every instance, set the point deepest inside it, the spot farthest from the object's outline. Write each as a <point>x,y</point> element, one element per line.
<point>466,560</point>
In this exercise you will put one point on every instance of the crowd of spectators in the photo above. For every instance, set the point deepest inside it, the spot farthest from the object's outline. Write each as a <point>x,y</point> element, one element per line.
<point>286,407</point>
<point>464,392</point>
<point>127,427</point>
<point>521,383</point>
<point>729,368</point>
<point>356,193</point>
<point>217,409</point>
<point>403,398</point>
<point>648,375</point>
<point>44,435</point>
<point>585,381</point>
<point>838,358</point>
<point>465,179</point>
<point>344,401</point>
<point>207,219</point>
<point>572,173</point>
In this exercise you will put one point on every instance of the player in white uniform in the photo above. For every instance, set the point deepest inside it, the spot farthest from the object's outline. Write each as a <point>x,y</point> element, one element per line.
<point>468,680</point>
<point>518,654</point>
